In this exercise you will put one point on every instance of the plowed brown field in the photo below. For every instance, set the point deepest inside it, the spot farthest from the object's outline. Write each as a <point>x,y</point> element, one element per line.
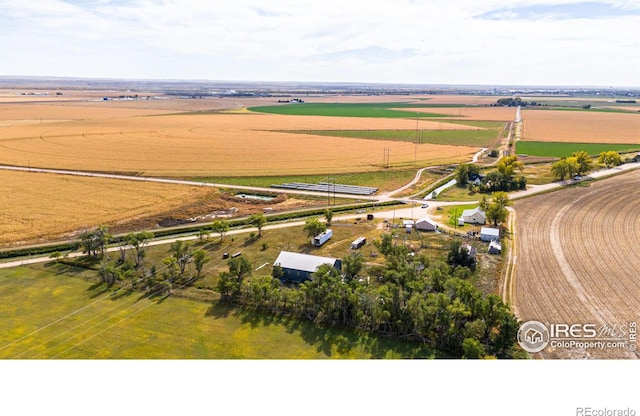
<point>580,126</point>
<point>577,259</point>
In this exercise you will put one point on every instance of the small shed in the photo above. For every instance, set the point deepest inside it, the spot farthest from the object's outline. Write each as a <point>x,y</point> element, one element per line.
<point>426,224</point>
<point>489,234</point>
<point>495,247</point>
<point>474,216</point>
<point>298,267</point>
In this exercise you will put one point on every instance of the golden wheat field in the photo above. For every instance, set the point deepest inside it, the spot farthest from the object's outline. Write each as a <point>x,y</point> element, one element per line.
<point>577,260</point>
<point>39,207</point>
<point>211,144</point>
<point>580,126</point>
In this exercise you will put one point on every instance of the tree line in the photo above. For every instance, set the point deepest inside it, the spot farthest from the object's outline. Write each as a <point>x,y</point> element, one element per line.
<point>580,163</point>
<point>182,266</point>
<point>411,297</point>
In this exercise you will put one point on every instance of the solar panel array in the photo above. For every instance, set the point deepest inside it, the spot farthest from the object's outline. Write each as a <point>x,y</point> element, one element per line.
<point>328,187</point>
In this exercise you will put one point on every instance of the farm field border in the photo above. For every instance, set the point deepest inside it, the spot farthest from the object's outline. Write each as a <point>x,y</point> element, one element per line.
<point>565,149</point>
<point>580,126</point>
<point>562,276</point>
<point>465,137</point>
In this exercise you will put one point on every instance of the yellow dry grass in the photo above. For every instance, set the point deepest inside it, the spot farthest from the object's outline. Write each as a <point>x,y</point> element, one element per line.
<point>63,112</point>
<point>37,207</point>
<point>581,126</point>
<point>214,145</point>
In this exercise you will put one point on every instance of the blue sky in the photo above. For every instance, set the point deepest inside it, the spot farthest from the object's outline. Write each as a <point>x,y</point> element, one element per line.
<point>504,42</point>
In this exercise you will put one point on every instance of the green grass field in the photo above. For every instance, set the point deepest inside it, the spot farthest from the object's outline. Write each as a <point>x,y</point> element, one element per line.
<point>385,180</point>
<point>125,325</point>
<point>479,137</point>
<point>558,149</point>
<point>377,110</point>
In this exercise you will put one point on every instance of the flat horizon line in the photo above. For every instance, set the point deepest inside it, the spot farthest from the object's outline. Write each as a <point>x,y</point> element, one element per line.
<point>303,83</point>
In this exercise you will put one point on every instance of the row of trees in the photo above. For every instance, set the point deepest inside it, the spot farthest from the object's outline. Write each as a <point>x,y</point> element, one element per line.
<point>580,163</point>
<point>183,265</point>
<point>410,297</point>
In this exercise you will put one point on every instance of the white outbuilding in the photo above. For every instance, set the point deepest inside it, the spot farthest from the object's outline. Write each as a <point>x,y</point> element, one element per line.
<point>489,234</point>
<point>426,224</point>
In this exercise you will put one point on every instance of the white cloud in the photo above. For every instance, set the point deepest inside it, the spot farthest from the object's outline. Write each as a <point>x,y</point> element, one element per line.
<point>437,41</point>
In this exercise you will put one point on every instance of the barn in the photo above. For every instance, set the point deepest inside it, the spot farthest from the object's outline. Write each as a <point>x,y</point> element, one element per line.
<point>426,224</point>
<point>298,267</point>
<point>474,216</point>
<point>489,234</point>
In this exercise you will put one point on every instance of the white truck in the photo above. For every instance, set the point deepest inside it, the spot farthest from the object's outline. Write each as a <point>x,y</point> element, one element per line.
<point>322,238</point>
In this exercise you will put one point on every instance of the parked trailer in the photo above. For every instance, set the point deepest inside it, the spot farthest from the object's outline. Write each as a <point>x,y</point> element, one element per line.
<point>322,238</point>
<point>358,243</point>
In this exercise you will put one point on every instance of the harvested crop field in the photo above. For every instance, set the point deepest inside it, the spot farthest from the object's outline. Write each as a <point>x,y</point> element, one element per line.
<point>38,207</point>
<point>65,112</point>
<point>580,126</point>
<point>577,260</point>
<point>215,145</point>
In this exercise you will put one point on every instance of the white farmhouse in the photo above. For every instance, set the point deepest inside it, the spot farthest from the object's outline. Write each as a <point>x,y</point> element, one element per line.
<point>474,216</point>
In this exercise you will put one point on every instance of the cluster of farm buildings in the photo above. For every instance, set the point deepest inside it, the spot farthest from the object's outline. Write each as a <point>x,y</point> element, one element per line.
<point>298,267</point>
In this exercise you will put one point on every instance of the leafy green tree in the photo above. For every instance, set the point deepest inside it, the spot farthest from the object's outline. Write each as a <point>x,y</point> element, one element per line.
<point>108,273</point>
<point>385,245</point>
<point>277,272</point>
<point>472,349</point>
<point>199,259</point>
<point>227,285</point>
<point>139,241</point>
<point>313,227</point>
<point>328,215</point>
<point>180,252</point>
<point>230,283</point>
<point>497,211</point>
<point>220,227</point>
<point>94,242</point>
<point>610,158</point>
<point>585,164</point>
<point>123,244</point>
<point>459,256</point>
<point>258,220</point>
<point>352,265</point>
<point>508,165</point>
<point>560,169</point>
<point>573,166</point>
<point>463,173</point>
<point>484,203</point>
